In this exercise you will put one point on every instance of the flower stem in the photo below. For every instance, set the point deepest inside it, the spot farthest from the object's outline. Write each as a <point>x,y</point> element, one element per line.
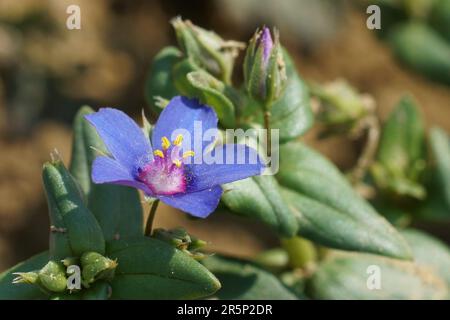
<point>151,217</point>
<point>267,116</point>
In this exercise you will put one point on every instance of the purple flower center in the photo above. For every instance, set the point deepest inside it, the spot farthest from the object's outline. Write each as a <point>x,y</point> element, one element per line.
<point>166,174</point>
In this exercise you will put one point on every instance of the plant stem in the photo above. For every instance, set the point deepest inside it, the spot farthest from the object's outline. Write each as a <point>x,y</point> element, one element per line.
<point>267,116</point>
<point>151,217</point>
<point>368,153</point>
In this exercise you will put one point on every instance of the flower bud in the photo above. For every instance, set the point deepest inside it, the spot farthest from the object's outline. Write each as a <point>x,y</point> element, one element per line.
<point>264,67</point>
<point>53,277</point>
<point>95,266</point>
<point>207,49</point>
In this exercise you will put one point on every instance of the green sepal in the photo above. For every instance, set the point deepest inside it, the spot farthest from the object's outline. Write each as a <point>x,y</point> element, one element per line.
<point>53,277</point>
<point>291,113</point>
<point>96,267</point>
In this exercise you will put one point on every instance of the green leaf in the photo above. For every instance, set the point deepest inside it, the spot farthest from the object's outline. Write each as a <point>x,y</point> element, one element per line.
<point>117,209</point>
<point>211,91</point>
<point>259,198</point>
<point>151,269</point>
<point>440,18</point>
<point>244,281</point>
<point>74,228</point>
<point>328,210</point>
<point>179,75</point>
<point>440,146</point>
<point>22,291</point>
<point>347,276</point>
<point>400,157</point>
<point>429,252</point>
<point>66,296</point>
<point>422,49</point>
<point>437,205</point>
<point>292,112</point>
<point>85,139</point>
<point>100,290</point>
<point>159,81</point>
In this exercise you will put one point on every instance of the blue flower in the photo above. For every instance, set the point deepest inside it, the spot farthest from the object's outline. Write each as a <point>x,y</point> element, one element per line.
<point>167,172</point>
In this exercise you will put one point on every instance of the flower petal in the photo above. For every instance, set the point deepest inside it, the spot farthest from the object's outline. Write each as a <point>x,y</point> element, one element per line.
<point>198,204</point>
<point>107,170</point>
<point>122,137</point>
<point>233,162</point>
<point>184,114</point>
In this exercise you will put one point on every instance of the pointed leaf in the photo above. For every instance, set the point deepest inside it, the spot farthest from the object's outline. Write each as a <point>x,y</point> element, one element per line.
<point>22,291</point>
<point>422,49</point>
<point>347,276</point>
<point>151,269</point>
<point>74,228</point>
<point>429,252</point>
<point>440,146</point>
<point>243,280</point>
<point>328,210</point>
<point>259,198</point>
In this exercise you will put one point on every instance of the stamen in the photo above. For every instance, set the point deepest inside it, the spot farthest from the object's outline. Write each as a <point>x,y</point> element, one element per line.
<point>165,143</point>
<point>188,154</point>
<point>177,163</point>
<point>158,153</point>
<point>178,140</point>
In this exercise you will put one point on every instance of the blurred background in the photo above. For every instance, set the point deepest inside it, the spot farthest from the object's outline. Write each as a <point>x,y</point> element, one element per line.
<point>47,72</point>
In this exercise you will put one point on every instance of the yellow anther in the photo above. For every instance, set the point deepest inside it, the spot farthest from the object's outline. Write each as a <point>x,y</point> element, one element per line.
<point>158,153</point>
<point>177,162</point>
<point>178,140</point>
<point>165,143</point>
<point>188,154</point>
